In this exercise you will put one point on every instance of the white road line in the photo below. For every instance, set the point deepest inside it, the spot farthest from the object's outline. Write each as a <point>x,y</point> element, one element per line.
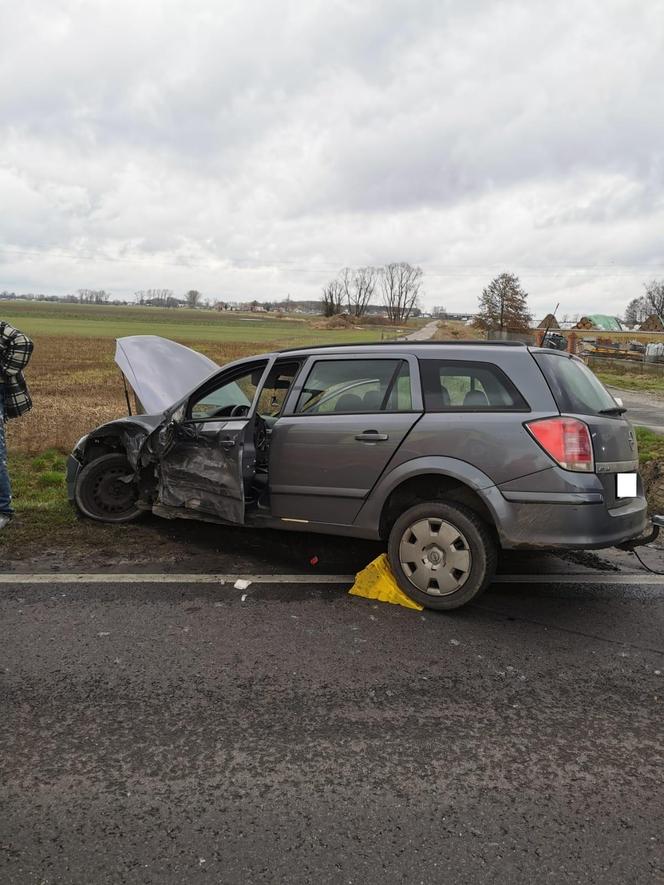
<point>173,578</point>
<point>583,578</point>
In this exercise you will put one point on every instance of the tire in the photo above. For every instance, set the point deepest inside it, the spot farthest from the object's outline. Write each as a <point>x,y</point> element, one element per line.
<point>442,555</point>
<point>100,493</point>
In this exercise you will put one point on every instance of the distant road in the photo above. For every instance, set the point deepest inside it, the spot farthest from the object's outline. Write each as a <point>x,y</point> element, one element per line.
<point>644,409</point>
<point>425,333</point>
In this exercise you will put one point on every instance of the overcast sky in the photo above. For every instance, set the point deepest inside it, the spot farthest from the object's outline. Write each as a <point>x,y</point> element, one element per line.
<point>251,149</point>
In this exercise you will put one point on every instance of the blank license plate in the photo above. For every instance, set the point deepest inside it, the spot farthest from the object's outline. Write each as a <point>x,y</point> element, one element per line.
<point>625,485</point>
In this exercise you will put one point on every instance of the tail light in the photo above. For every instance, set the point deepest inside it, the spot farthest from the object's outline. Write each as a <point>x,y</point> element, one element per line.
<point>566,440</point>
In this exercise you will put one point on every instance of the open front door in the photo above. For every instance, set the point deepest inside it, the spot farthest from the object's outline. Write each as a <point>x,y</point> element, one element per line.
<point>210,458</point>
<point>203,470</point>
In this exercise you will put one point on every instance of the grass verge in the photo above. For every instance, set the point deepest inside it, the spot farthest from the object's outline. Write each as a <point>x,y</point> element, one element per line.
<point>632,380</point>
<point>45,522</point>
<point>651,445</point>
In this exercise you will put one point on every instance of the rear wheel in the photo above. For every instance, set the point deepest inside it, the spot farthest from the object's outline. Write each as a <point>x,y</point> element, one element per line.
<point>106,490</point>
<point>442,555</point>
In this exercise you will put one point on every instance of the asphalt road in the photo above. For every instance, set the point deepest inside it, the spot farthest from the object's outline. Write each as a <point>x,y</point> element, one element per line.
<point>643,408</point>
<point>175,733</point>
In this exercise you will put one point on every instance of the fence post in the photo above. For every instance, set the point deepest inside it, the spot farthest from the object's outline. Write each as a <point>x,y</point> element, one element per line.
<point>571,342</point>
<point>539,337</point>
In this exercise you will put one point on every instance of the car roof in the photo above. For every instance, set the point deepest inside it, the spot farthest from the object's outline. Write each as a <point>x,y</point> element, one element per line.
<point>396,345</point>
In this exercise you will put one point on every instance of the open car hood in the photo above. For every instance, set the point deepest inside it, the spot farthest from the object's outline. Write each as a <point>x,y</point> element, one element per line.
<point>160,371</point>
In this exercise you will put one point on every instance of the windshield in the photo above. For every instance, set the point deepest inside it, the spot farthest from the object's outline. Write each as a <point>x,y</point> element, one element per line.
<point>575,388</point>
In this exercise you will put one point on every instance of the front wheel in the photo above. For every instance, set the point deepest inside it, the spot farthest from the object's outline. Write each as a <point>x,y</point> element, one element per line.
<point>442,555</point>
<point>106,490</point>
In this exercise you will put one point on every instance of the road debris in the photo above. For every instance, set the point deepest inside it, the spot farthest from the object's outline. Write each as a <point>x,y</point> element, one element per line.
<point>242,584</point>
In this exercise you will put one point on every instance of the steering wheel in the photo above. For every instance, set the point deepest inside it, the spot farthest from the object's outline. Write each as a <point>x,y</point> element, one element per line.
<point>239,411</point>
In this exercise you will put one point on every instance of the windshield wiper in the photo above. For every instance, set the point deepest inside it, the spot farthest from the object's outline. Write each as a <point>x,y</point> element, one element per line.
<point>614,410</point>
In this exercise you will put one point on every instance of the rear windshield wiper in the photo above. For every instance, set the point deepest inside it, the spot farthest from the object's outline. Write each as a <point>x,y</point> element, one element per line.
<point>614,410</point>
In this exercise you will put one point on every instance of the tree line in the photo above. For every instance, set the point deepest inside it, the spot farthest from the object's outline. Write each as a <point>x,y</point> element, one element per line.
<point>398,284</point>
<point>503,305</point>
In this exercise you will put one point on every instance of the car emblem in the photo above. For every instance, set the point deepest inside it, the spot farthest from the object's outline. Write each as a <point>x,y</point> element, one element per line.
<point>630,439</point>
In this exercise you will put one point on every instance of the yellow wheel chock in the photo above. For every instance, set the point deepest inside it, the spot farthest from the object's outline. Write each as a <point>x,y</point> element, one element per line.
<point>376,581</point>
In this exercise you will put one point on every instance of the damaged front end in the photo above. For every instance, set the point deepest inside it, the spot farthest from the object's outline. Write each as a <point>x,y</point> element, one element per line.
<point>126,436</point>
<point>159,373</point>
<point>161,459</point>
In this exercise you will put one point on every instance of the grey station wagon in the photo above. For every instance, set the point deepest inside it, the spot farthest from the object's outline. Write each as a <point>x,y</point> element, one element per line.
<point>447,451</point>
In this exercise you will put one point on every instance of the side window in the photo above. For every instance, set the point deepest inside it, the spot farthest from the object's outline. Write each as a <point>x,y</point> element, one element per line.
<point>347,386</point>
<point>232,398</point>
<point>456,385</point>
<point>275,390</point>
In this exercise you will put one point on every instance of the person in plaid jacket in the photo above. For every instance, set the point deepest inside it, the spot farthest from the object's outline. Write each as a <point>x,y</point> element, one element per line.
<point>15,351</point>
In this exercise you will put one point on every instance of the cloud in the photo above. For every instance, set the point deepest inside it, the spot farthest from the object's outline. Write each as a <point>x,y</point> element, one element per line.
<point>250,149</point>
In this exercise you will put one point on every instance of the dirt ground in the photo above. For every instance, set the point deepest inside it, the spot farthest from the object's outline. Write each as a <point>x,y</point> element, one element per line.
<point>186,546</point>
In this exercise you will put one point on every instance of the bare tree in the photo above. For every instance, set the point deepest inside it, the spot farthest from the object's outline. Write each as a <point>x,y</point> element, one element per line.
<point>333,298</point>
<point>401,284</point>
<point>439,311</point>
<point>193,298</point>
<point>346,282</point>
<point>655,296</point>
<point>637,311</point>
<point>359,286</point>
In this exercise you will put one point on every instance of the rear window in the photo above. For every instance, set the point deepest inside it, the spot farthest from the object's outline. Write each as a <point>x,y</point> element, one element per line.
<point>459,385</point>
<point>575,388</point>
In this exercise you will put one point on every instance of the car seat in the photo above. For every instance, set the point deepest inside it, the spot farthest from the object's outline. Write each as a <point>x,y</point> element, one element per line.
<point>475,398</point>
<point>371,401</point>
<point>349,402</point>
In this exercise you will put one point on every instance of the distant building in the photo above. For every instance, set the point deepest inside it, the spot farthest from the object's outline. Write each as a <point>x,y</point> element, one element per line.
<point>654,323</point>
<point>460,317</point>
<point>549,322</point>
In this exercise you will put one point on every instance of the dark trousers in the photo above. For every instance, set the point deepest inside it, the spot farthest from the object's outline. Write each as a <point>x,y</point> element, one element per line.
<point>5,487</point>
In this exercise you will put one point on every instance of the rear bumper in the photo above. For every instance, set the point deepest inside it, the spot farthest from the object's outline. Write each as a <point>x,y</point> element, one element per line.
<point>580,522</point>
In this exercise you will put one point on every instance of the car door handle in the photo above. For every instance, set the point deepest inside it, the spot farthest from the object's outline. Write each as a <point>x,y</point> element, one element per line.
<point>371,436</point>
<point>228,443</point>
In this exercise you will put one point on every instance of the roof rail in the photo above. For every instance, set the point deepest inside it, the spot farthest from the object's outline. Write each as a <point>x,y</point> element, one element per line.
<point>400,341</point>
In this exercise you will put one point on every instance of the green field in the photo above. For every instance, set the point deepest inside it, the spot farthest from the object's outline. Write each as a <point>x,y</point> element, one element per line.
<point>113,321</point>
